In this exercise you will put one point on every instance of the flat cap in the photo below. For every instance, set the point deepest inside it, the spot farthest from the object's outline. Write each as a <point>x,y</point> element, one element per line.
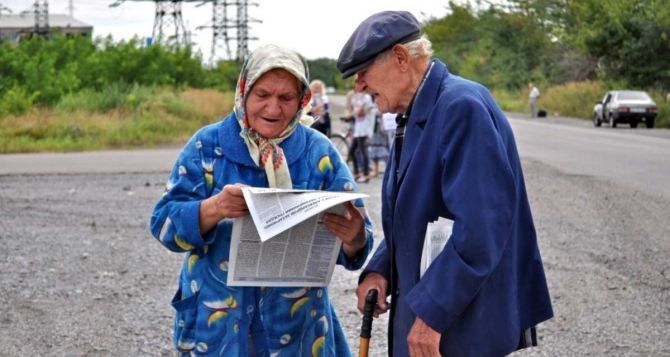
<point>374,35</point>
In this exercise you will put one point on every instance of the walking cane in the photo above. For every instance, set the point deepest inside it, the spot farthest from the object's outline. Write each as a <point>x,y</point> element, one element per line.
<point>366,328</point>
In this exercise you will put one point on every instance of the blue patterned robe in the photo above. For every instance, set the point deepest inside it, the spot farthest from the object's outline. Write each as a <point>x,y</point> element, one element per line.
<point>216,320</point>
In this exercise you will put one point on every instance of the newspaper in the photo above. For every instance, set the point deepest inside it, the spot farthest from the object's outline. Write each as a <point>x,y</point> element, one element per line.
<point>437,235</point>
<point>283,242</point>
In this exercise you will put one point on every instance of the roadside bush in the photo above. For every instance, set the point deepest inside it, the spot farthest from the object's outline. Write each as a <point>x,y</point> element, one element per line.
<point>114,96</point>
<point>572,99</point>
<point>16,101</point>
<point>510,100</point>
<point>663,118</point>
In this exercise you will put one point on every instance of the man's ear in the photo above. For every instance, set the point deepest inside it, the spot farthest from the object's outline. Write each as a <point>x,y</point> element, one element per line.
<point>400,56</point>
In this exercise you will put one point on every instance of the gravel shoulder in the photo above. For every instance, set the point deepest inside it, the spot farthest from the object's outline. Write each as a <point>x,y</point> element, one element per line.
<point>81,275</point>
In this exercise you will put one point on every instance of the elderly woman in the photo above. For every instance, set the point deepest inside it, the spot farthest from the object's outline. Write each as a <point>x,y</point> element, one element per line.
<point>262,144</point>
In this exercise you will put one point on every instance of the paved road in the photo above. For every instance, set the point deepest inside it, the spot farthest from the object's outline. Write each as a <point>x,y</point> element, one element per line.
<point>631,157</point>
<point>637,158</point>
<point>81,276</point>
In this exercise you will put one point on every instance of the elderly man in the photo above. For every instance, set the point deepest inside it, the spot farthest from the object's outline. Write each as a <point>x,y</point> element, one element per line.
<point>454,156</point>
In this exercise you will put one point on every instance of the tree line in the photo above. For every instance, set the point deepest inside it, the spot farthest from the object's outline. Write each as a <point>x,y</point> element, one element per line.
<point>502,44</point>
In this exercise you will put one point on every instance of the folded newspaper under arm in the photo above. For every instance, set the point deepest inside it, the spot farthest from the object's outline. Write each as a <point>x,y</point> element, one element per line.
<point>283,242</point>
<point>437,235</point>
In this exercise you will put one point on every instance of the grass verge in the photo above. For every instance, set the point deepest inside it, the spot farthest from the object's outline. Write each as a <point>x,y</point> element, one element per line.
<point>139,117</point>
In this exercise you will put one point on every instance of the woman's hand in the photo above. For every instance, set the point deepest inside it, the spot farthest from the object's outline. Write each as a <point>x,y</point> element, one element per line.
<point>229,203</point>
<point>350,228</point>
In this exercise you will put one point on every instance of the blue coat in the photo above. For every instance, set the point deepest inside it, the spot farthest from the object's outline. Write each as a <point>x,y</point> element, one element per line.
<point>459,161</point>
<point>212,318</point>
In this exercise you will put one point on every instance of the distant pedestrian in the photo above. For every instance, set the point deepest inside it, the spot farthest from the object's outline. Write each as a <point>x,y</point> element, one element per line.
<point>532,99</point>
<point>389,124</point>
<point>364,112</point>
<point>379,146</point>
<point>320,108</point>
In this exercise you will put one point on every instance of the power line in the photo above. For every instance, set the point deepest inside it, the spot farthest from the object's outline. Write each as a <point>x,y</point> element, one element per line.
<point>169,25</point>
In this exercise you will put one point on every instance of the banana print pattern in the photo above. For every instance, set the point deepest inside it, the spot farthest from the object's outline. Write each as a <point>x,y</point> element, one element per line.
<point>211,318</point>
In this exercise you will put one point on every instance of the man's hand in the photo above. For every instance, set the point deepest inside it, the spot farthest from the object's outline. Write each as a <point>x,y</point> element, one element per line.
<point>373,281</point>
<point>350,228</point>
<point>423,340</point>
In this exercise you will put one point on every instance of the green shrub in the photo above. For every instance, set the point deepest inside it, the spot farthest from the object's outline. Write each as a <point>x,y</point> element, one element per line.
<point>572,99</point>
<point>663,118</point>
<point>16,101</point>
<point>114,96</point>
<point>511,101</point>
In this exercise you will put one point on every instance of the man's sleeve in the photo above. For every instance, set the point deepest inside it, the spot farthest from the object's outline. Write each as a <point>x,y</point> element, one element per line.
<point>478,188</point>
<point>379,263</point>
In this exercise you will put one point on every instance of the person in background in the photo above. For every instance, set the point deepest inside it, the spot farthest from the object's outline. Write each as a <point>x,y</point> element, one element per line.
<point>262,143</point>
<point>454,158</point>
<point>319,107</point>
<point>364,111</point>
<point>379,145</point>
<point>389,124</point>
<point>533,94</point>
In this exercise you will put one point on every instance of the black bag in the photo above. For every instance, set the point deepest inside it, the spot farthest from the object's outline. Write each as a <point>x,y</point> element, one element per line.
<point>541,113</point>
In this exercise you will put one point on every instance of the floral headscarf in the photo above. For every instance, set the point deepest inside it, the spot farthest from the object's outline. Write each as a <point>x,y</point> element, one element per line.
<point>266,152</point>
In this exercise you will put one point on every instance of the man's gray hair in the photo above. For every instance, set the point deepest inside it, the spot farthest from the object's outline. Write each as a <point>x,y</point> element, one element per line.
<point>419,48</point>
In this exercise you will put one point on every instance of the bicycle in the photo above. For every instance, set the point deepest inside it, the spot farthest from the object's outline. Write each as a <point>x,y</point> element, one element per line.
<point>342,143</point>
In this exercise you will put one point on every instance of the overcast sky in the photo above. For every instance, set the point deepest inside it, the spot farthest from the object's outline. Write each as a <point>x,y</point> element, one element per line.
<point>315,28</point>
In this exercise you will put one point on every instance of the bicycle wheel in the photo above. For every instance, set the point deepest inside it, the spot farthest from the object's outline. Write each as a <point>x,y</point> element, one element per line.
<point>341,145</point>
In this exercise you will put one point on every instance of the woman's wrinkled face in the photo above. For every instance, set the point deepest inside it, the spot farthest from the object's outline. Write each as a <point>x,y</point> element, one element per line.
<point>272,102</point>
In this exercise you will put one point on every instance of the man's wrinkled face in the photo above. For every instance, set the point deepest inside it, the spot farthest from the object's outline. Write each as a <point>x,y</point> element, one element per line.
<point>272,102</point>
<point>382,80</point>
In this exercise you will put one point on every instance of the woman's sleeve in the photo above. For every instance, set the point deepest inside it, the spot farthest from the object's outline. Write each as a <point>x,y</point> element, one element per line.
<point>175,219</point>
<point>340,179</point>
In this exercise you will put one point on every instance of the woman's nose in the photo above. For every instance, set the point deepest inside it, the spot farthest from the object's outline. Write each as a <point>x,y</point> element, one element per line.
<point>273,108</point>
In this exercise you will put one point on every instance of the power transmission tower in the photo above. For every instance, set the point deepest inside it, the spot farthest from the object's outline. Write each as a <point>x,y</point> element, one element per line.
<point>243,21</point>
<point>41,10</point>
<point>70,8</point>
<point>169,26</point>
<point>5,9</point>
<point>221,24</point>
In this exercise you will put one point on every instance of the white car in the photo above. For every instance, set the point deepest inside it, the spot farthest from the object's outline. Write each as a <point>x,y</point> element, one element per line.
<point>625,106</point>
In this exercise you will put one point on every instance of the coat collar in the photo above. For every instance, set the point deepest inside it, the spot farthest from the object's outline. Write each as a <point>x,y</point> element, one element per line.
<point>236,150</point>
<point>421,109</point>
